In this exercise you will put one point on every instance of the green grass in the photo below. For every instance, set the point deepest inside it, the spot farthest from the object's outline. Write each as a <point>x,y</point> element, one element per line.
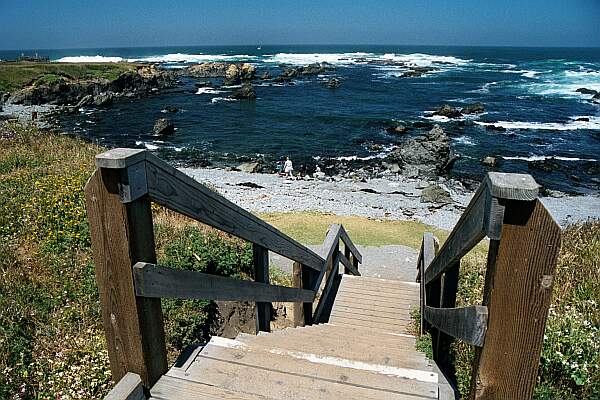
<point>311,228</point>
<point>14,76</point>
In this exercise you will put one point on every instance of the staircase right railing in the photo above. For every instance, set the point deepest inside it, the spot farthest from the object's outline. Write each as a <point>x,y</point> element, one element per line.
<point>507,329</point>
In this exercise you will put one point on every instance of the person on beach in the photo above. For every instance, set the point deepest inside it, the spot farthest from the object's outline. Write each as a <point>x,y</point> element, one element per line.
<point>288,168</point>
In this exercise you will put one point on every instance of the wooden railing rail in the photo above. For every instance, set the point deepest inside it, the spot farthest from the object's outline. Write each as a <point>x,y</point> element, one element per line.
<point>507,329</point>
<point>130,284</point>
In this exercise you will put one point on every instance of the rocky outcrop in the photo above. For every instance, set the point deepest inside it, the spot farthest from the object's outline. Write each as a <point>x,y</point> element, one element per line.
<point>425,156</point>
<point>417,72</point>
<point>490,161</point>
<point>251,167</point>
<point>289,73</point>
<point>208,70</point>
<point>246,92</point>
<point>435,194</point>
<point>475,108</point>
<point>448,111</point>
<point>236,73</point>
<point>141,81</point>
<point>163,126</point>
<point>396,129</point>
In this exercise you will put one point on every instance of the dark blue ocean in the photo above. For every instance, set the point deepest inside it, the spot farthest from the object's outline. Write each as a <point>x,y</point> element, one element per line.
<point>529,91</point>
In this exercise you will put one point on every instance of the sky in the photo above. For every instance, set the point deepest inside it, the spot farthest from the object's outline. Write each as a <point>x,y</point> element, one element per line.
<point>43,24</point>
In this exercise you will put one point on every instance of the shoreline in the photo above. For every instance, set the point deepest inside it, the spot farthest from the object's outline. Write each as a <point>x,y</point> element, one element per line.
<point>393,198</point>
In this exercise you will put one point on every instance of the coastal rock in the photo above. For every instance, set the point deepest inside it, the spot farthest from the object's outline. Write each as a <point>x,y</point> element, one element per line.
<point>546,165</point>
<point>425,156</point>
<point>232,75</point>
<point>582,119</point>
<point>163,126</point>
<point>475,108</point>
<point>103,99</point>
<point>208,70</point>
<point>496,128</point>
<point>333,83</point>
<point>490,161</point>
<point>436,194</point>
<point>247,71</point>
<point>417,72</point>
<point>587,91</point>
<point>266,75</point>
<point>250,167</point>
<point>447,111</point>
<point>396,129</point>
<point>246,92</point>
<point>171,109</point>
<point>85,101</point>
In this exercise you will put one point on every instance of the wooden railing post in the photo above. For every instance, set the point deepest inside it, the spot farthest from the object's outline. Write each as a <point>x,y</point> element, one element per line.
<point>303,277</point>
<point>443,341</point>
<point>121,229</point>
<point>261,274</point>
<point>517,293</point>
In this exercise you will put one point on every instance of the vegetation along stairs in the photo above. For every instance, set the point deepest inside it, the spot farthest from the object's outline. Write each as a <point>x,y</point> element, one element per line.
<point>352,335</point>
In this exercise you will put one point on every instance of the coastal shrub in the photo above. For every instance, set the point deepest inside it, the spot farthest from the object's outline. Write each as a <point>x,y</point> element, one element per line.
<point>51,335</point>
<point>570,359</point>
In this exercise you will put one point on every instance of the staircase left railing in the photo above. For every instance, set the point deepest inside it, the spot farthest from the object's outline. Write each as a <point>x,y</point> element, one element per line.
<point>130,284</point>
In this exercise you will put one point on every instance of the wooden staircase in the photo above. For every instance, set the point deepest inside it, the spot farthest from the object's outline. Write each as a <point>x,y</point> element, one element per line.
<point>364,352</point>
<point>353,335</point>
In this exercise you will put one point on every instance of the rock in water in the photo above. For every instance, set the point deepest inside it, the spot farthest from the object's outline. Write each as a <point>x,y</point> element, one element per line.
<point>396,129</point>
<point>587,91</point>
<point>490,161</point>
<point>163,126</point>
<point>208,70</point>
<point>333,83</point>
<point>435,194</point>
<point>447,111</point>
<point>475,108</point>
<point>232,75</point>
<point>425,156</point>
<point>265,76</point>
<point>245,92</point>
<point>247,71</point>
<point>103,99</point>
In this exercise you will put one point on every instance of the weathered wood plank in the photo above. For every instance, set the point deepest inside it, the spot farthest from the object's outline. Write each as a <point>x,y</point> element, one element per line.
<point>348,242</point>
<point>443,343</point>
<point>298,307</point>
<point>467,232</point>
<point>518,292</point>
<point>122,235</point>
<point>261,274</point>
<point>175,190</point>
<point>468,324</point>
<point>323,300</point>
<point>159,282</point>
<point>510,186</point>
<point>128,388</point>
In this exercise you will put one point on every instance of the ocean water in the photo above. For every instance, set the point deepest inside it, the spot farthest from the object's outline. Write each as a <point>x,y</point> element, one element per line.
<point>529,91</point>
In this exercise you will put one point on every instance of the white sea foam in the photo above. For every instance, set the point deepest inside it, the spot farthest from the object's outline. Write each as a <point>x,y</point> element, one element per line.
<point>94,59</point>
<point>593,123</point>
<point>215,100</point>
<point>424,60</point>
<point>192,58</point>
<point>485,88</point>
<point>208,90</point>
<point>583,73</point>
<point>309,58</point>
<point>465,140</point>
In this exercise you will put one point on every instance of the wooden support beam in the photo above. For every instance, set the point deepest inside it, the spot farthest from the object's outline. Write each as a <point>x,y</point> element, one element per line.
<point>347,242</point>
<point>468,324</point>
<point>518,291</point>
<point>261,274</point>
<point>122,234</point>
<point>298,307</point>
<point>449,286</point>
<point>160,282</point>
<point>349,267</point>
<point>324,299</point>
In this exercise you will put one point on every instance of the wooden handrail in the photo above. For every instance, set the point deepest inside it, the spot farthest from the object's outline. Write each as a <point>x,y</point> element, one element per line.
<point>524,245</point>
<point>145,173</point>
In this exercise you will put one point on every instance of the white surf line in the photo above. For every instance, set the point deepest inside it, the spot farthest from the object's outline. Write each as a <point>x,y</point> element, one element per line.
<point>422,376</point>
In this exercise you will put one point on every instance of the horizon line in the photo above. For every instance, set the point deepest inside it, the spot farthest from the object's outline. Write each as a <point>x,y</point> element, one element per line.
<point>312,44</point>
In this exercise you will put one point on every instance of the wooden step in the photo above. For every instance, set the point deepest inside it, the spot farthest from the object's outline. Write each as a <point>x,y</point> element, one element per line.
<point>177,388</point>
<point>339,347</point>
<point>301,375</point>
